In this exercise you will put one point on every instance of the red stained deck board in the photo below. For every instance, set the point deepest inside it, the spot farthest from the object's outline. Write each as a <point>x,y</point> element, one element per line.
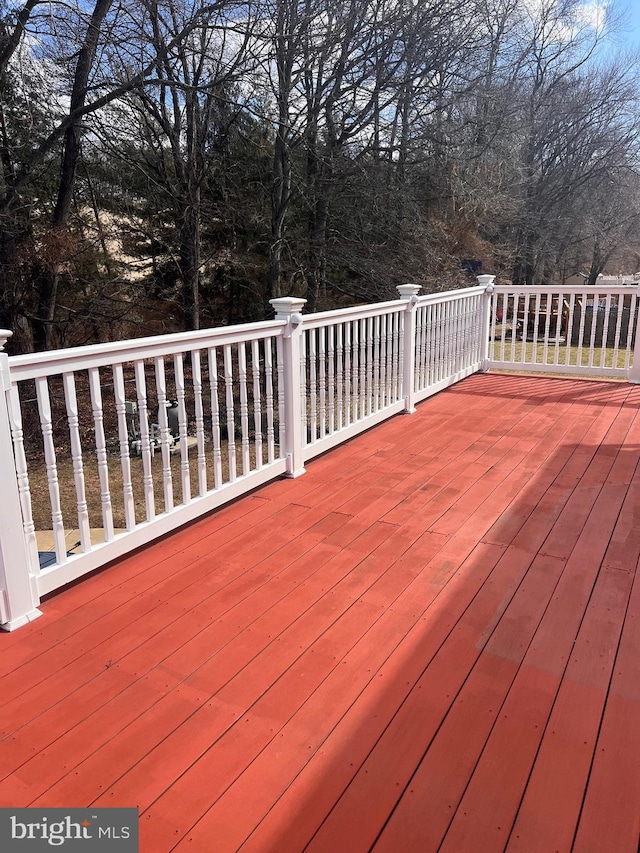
<point>491,496</point>
<point>254,611</point>
<point>125,608</point>
<point>348,737</point>
<point>247,682</point>
<point>153,651</point>
<point>144,569</point>
<point>623,551</point>
<point>182,588</point>
<point>134,743</point>
<point>264,649</point>
<point>216,759</point>
<point>381,778</point>
<point>421,818</point>
<point>551,805</point>
<point>427,805</point>
<point>208,778</point>
<point>610,816</point>
<point>159,624</point>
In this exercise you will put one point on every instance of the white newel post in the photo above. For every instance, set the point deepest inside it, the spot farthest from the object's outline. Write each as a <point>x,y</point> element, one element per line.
<point>288,308</point>
<point>634,370</point>
<point>486,281</point>
<point>409,294</point>
<point>19,597</point>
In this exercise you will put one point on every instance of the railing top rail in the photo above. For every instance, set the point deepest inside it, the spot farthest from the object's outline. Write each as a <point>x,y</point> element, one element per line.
<point>33,365</point>
<point>566,288</point>
<point>358,312</point>
<point>450,295</point>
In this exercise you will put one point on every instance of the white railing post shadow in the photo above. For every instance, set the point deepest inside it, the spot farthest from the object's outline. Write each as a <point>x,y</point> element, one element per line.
<point>634,370</point>
<point>487,282</point>
<point>19,598</point>
<point>409,294</point>
<point>288,308</point>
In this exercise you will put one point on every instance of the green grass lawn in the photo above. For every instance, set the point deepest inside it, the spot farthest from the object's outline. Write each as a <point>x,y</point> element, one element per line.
<point>534,353</point>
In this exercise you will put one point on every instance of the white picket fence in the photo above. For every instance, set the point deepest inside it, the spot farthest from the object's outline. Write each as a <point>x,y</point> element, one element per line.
<point>169,428</point>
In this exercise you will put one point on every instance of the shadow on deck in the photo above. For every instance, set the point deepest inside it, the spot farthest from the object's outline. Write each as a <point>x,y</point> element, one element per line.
<point>427,642</point>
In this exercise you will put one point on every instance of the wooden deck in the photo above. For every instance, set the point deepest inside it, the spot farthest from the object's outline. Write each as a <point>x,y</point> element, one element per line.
<point>430,641</point>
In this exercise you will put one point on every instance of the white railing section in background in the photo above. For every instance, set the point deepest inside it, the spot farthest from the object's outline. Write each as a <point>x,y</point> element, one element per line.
<point>168,428</point>
<point>351,376</point>
<point>573,330</point>
<point>449,338</point>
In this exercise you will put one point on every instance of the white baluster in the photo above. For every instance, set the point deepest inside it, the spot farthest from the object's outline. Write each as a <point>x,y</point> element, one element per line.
<point>583,312</point>
<point>201,457</point>
<point>101,453</point>
<point>322,358</point>
<point>281,395</point>
<point>302,369</point>
<point>244,408</point>
<point>631,361</point>
<point>354,398</point>
<point>339,375</point>
<point>46,425</point>
<point>382,360</point>
<point>516,309</point>
<point>76,459</point>
<point>22,474</point>
<point>332,378</point>
<point>376,363</point>
<point>163,423</point>
<point>444,344</point>
<point>347,374</point>
<point>71,400</point>
<point>123,436</point>
<point>367,328</point>
<point>356,363</point>
<point>431,345</point>
<point>365,366</point>
<point>547,323</point>
<point>450,341</point>
<point>464,331</point>
<point>313,384</point>
<point>572,305</point>
<point>231,426</point>
<point>616,338</point>
<point>185,473</point>
<point>558,328</point>
<point>215,418</point>
<point>514,320</point>
<point>423,314</point>
<point>388,376</point>
<point>268,381</point>
<point>594,326</point>
<point>143,415</point>
<point>458,342</point>
<point>257,402</point>
<point>496,299</point>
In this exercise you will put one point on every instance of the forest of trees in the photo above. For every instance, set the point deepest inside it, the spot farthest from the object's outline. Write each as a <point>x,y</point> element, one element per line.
<point>175,164</point>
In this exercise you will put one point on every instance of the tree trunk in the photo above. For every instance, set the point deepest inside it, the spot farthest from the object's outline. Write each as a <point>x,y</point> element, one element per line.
<point>48,275</point>
<point>190,263</point>
<point>280,196</point>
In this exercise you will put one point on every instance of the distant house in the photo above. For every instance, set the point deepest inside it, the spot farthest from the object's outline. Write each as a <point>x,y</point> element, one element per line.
<point>582,278</point>
<point>576,278</point>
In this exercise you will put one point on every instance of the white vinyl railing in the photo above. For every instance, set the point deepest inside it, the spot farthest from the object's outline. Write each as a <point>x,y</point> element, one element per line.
<point>572,330</point>
<point>104,448</point>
